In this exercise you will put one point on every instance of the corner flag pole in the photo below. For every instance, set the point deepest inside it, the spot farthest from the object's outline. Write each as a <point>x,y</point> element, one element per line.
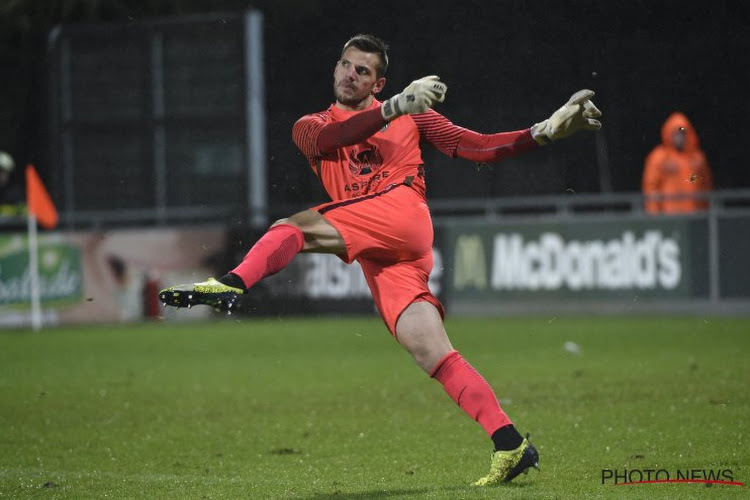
<point>35,293</point>
<point>40,208</point>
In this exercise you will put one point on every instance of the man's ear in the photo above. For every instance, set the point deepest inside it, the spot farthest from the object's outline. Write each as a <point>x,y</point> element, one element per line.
<point>379,84</point>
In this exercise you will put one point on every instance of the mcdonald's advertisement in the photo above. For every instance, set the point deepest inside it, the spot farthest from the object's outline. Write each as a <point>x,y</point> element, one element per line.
<point>598,259</point>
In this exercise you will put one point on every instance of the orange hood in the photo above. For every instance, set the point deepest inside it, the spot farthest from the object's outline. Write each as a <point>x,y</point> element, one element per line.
<point>673,123</point>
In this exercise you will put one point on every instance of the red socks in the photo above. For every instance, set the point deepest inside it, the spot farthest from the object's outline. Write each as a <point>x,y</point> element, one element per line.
<point>470,391</point>
<point>270,254</point>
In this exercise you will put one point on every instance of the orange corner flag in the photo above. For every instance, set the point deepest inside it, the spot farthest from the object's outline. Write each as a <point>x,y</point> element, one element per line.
<point>38,200</point>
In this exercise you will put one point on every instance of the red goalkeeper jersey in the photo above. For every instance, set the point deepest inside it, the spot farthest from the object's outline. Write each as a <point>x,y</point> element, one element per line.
<point>393,155</point>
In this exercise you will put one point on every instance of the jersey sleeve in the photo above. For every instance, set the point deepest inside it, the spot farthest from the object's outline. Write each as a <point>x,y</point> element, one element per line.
<point>318,135</point>
<point>305,134</point>
<point>455,141</point>
<point>494,147</point>
<point>439,131</point>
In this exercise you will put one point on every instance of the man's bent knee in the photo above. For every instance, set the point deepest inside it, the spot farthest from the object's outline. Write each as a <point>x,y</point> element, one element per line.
<point>286,221</point>
<point>320,235</point>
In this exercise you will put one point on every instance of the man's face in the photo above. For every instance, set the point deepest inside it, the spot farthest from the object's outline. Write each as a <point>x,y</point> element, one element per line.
<point>355,80</point>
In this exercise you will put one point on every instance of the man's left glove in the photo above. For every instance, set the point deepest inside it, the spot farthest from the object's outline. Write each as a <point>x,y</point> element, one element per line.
<point>418,97</point>
<point>576,114</point>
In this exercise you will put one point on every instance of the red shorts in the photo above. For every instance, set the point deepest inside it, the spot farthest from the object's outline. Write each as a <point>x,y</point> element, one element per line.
<point>390,234</point>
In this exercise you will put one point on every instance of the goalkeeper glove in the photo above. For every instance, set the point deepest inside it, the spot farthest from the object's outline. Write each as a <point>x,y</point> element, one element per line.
<point>418,97</point>
<point>576,114</point>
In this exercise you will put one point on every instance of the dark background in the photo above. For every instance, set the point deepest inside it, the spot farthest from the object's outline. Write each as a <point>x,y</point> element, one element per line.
<point>508,64</point>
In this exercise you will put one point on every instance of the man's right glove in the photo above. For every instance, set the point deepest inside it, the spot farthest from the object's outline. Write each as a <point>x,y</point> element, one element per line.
<point>576,114</point>
<point>418,97</point>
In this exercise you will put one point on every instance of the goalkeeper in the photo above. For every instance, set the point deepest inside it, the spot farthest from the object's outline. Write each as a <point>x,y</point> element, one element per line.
<point>367,155</point>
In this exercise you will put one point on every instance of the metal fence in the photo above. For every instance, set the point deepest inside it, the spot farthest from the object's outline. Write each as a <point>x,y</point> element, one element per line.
<point>158,121</point>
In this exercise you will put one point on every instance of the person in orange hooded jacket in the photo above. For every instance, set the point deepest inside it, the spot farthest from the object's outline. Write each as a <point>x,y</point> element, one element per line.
<point>676,170</point>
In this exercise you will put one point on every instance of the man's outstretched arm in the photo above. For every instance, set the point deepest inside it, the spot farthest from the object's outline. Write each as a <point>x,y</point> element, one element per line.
<point>579,113</point>
<point>460,142</point>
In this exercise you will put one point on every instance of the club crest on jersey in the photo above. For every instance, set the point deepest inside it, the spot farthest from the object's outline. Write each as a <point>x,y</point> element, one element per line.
<point>365,161</point>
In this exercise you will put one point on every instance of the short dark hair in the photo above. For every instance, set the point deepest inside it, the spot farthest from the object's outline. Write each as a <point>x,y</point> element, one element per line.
<point>373,45</point>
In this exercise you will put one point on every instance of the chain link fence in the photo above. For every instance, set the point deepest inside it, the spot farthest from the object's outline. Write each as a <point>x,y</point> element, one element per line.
<point>158,122</point>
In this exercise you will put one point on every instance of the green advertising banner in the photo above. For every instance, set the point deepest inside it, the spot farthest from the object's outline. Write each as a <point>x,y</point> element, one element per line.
<point>105,276</point>
<point>60,271</point>
<point>576,259</point>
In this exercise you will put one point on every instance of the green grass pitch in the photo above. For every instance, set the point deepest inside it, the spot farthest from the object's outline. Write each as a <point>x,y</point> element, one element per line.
<point>332,408</point>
